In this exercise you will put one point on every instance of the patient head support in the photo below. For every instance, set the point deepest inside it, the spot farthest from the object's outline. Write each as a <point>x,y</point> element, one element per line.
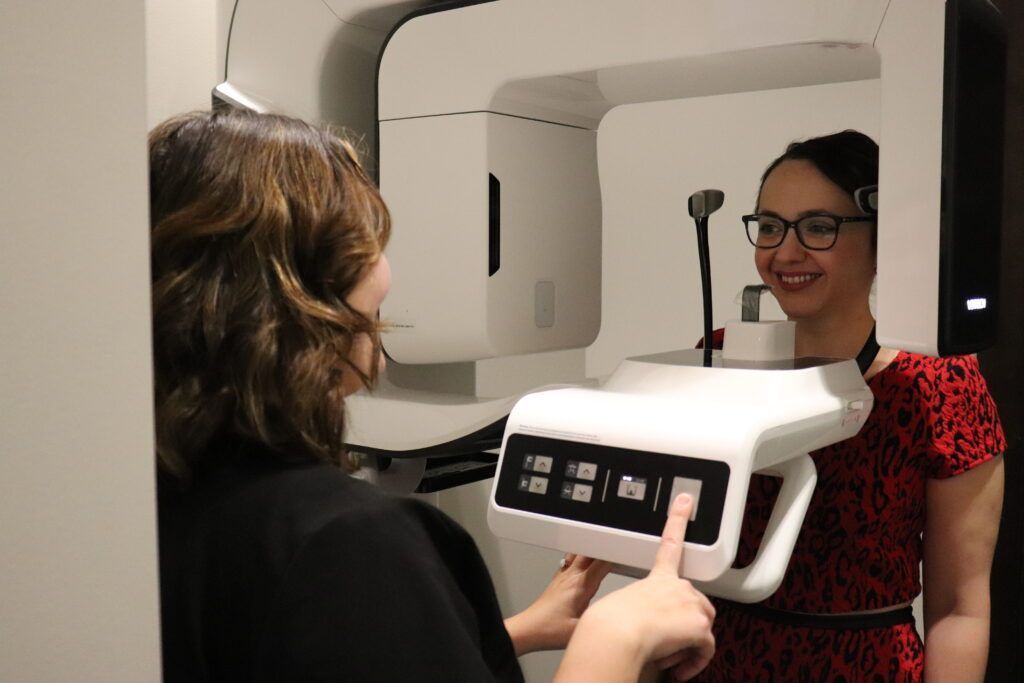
<point>703,203</point>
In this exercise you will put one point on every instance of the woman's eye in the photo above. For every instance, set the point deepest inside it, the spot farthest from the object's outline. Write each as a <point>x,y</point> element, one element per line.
<point>820,228</point>
<point>769,228</point>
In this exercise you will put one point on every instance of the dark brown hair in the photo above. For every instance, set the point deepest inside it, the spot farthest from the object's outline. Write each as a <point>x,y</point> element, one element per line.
<point>849,159</point>
<point>261,226</point>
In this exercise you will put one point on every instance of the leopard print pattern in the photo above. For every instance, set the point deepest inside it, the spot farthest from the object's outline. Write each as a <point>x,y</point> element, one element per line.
<point>860,546</point>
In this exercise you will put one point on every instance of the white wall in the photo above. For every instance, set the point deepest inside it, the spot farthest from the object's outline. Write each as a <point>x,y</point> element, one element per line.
<point>78,573</point>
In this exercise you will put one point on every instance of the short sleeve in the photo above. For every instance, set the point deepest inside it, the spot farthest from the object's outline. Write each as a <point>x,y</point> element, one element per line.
<point>963,421</point>
<point>717,340</point>
<point>388,595</point>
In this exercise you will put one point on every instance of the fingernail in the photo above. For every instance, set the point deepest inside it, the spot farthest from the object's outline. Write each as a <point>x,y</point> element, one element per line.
<point>684,499</point>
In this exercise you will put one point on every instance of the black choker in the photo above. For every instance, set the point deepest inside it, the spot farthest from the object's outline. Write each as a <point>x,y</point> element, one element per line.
<point>868,352</point>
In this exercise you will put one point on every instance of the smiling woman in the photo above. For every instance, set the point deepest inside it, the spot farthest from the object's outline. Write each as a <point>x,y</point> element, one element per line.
<point>922,479</point>
<point>822,287</point>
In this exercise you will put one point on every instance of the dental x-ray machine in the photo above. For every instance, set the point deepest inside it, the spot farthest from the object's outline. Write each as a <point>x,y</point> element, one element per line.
<point>485,124</point>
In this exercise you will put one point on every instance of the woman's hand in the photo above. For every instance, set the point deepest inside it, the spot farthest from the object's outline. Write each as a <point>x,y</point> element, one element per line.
<point>661,619</point>
<point>549,622</point>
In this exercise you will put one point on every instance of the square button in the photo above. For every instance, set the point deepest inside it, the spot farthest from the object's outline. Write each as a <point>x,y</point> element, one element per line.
<point>684,485</point>
<point>581,493</point>
<point>588,471</point>
<point>539,485</point>
<point>542,464</point>
<point>633,488</point>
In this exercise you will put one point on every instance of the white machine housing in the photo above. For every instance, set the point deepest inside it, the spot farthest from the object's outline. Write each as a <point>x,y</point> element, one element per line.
<point>517,90</point>
<point>563,64</point>
<point>485,127</point>
<point>676,426</point>
<point>502,216</point>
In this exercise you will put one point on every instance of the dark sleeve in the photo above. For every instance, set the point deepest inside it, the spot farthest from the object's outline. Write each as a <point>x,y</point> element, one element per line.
<point>396,593</point>
<point>964,426</point>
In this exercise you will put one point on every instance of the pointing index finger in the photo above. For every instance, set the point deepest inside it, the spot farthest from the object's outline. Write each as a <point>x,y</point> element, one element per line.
<point>670,552</point>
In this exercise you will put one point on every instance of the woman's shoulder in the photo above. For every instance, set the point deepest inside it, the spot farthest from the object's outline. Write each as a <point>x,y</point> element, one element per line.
<point>936,372</point>
<point>363,508</point>
<point>951,388</point>
<point>292,501</point>
<point>332,503</point>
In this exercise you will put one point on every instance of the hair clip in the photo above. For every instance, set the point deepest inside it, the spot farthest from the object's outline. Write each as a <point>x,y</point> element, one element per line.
<point>867,198</point>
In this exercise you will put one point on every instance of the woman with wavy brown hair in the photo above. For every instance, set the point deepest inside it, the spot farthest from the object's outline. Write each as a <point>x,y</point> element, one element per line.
<point>262,227</point>
<point>268,271</point>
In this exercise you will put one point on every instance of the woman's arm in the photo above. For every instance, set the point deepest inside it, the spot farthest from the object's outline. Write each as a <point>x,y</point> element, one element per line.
<point>549,622</point>
<point>661,620</point>
<point>961,524</point>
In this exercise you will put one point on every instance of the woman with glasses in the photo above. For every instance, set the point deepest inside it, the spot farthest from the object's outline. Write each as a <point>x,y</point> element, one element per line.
<point>275,565</point>
<point>921,481</point>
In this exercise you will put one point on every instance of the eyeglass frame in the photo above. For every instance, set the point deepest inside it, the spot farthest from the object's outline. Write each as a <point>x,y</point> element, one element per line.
<point>792,225</point>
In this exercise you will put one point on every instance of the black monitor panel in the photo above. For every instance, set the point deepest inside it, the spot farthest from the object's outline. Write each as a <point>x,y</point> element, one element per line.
<point>972,176</point>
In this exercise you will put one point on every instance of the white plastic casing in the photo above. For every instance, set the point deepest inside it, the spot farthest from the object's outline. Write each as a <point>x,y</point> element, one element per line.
<point>584,58</point>
<point>569,62</point>
<point>445,304</point>
<point>750,419</point>
<point>766,340</point>
<point>911,44</point>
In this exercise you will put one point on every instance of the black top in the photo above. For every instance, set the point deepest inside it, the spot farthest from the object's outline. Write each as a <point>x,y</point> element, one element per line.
<point>275,571</point>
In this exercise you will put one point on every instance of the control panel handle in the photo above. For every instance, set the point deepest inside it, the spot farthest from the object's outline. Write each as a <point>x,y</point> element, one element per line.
<point>762,577</point>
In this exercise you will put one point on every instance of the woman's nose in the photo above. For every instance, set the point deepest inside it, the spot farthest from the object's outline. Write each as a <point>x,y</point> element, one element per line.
<point>790,249</point>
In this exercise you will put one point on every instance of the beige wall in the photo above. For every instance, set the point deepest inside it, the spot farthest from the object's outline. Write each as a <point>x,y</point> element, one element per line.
<point>78,577</point>
<point>185,45</point>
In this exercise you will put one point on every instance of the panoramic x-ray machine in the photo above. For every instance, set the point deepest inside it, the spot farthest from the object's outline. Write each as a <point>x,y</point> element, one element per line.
<point>485,126</point>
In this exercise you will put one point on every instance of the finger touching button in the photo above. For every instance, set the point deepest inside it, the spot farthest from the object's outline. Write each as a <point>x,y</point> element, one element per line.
<point>690,486</point>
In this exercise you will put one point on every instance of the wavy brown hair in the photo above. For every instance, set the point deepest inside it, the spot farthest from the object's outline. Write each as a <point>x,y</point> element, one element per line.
<point>261,226</point>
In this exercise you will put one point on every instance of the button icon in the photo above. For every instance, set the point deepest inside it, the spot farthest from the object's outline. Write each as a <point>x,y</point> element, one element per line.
<point>542,463</point>
<point>524,482</point>
<point>633,488</point>
<point>528,462</point>
<point>567,489</point>
<point>571,467</point>
<point>588,471</point>
<point>582,492</point>
<point>539,485</point>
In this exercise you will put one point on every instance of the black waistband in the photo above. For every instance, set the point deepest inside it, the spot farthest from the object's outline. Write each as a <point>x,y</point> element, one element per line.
<point>848,622</point>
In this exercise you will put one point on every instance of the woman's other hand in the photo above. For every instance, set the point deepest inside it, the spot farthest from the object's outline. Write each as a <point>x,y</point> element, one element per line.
<point>549,622</point>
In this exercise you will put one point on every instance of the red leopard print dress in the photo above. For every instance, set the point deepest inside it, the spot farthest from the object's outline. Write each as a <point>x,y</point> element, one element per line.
<point>860,546</point>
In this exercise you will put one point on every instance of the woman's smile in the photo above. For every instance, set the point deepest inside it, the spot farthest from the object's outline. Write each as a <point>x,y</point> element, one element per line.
<point>793,282</point>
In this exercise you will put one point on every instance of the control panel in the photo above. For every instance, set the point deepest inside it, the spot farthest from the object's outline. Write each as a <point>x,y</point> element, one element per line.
<point>609,486</point>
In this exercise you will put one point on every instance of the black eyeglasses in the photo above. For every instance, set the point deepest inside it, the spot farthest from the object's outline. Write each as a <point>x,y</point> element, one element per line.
<point>817,232</point>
